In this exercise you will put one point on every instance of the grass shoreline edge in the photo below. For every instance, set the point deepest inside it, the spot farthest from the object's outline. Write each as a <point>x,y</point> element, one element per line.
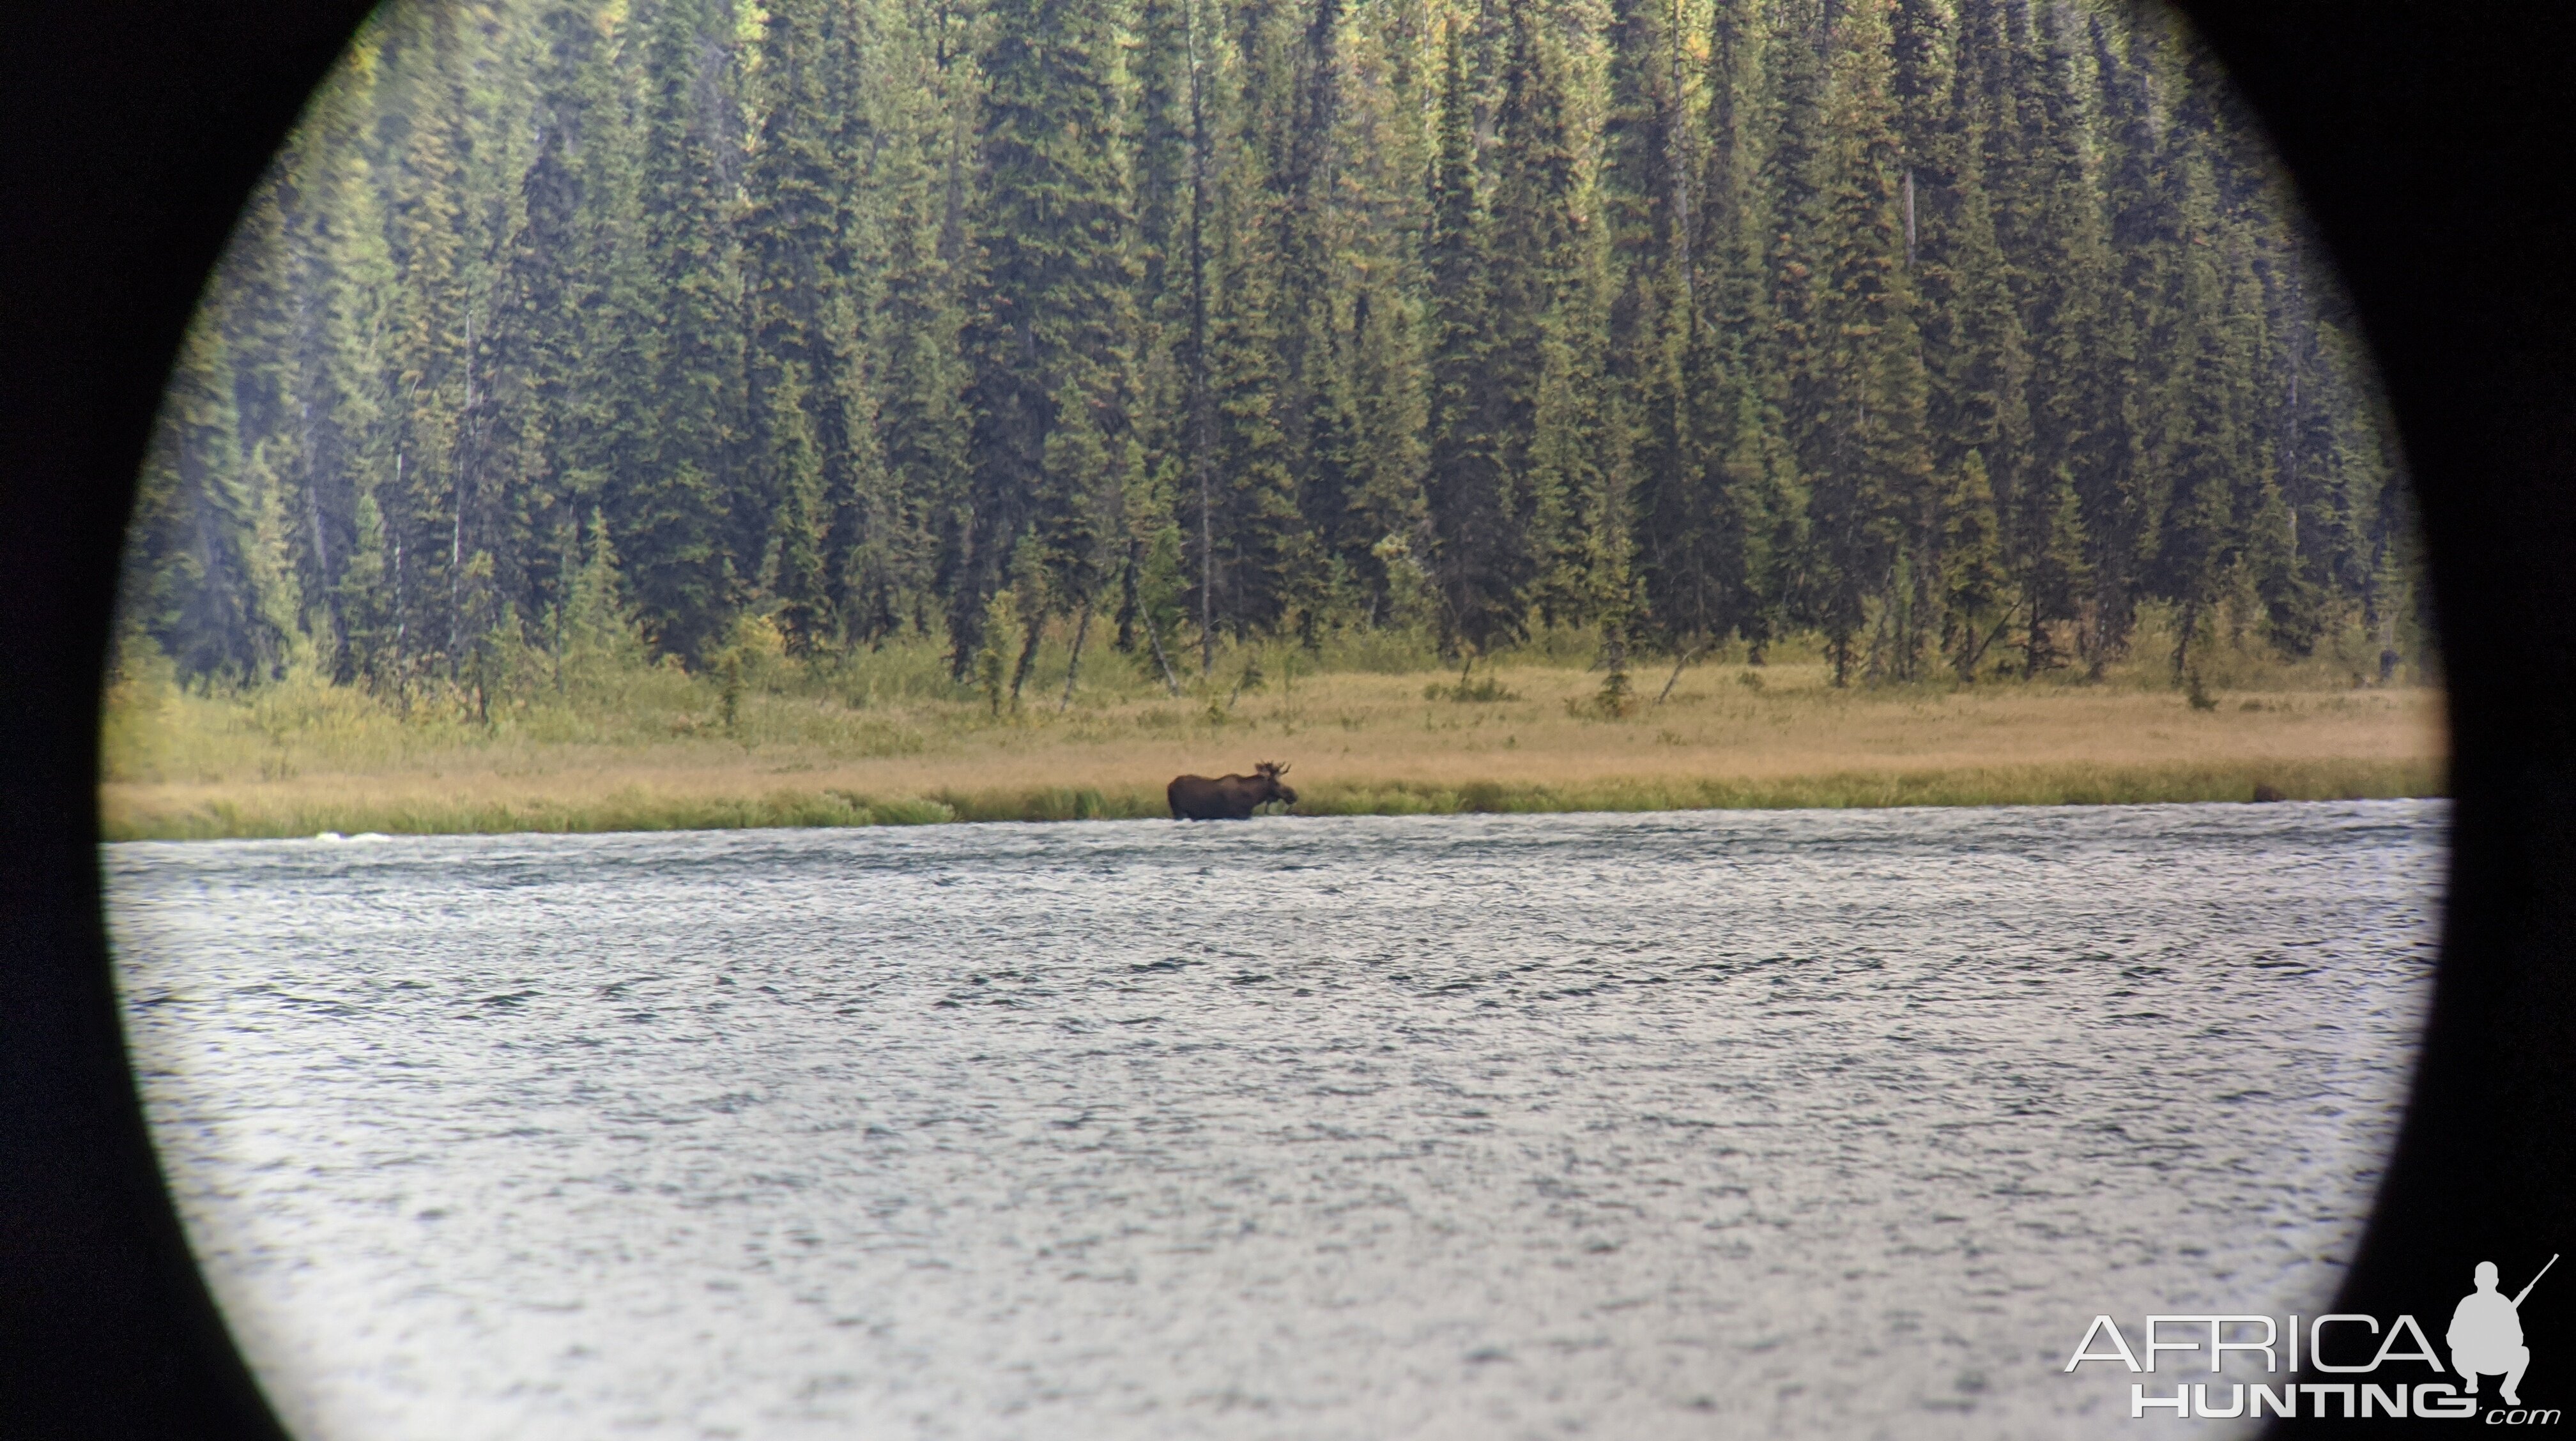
<point>128,816</point>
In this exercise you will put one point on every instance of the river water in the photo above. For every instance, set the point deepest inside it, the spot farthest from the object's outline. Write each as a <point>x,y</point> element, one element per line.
<point>1677,1125</point>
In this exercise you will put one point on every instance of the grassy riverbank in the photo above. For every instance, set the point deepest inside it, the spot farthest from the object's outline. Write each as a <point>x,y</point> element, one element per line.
<point>889,741</point>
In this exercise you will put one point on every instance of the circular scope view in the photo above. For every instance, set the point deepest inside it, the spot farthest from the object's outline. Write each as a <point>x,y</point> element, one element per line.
<point>1293,719</point>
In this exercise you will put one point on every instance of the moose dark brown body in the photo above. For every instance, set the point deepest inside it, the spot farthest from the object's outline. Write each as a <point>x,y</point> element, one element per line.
<point>1227,798</point>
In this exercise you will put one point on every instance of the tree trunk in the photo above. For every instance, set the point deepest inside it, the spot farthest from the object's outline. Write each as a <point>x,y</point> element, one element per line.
<point>1081,628</point>
<point>456,501</point>
<point>1028,656</point>
<point>1154,633</point>
<point>1685,658</point>
<point>1207,572</point>
<point>1909,218</point>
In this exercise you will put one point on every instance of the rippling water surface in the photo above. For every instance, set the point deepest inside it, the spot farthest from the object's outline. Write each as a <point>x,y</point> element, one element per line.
<point>1706,1124</point>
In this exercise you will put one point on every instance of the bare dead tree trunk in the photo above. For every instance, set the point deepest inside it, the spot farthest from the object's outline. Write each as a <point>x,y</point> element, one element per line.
<point>2035,644</point>
<point>1685,658</point>
<point>1677,139</point>
<point>1202,419</point>
<point>1081,629</point>
<point>1207,569</point>
<point>1154,634</point>
<point>456,500</point>
<point>1909,219</point>
<point>1028,656</point>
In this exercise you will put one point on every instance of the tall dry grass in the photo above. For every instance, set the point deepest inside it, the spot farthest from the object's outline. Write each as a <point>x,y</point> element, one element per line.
<point>1369,724</point>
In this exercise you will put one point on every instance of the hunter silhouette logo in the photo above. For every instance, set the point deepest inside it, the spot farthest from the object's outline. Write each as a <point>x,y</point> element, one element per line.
<point>2486,1334</point>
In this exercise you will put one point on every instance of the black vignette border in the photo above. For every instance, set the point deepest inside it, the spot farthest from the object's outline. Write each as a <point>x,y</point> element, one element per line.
<point>130,132</point>
<point>2432,144</point>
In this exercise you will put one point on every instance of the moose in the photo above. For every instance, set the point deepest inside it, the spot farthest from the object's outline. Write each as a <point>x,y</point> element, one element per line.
<point>1227,798</point>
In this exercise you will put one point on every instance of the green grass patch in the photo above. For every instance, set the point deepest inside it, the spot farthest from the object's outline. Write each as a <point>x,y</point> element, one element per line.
<point>632,809</point>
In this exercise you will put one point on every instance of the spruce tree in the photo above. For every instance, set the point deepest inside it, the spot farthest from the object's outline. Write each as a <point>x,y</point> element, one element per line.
<point>1644,217</point>
<point>1262,551</point>
<point>918,182</point>
<point>543,423</point>
<point>1870,459</point>
<point>424,505</point>
<point>1975,591</point>
<point>1375,379</point>
<point>1302,178</point>
<point>686,529</point>
<point>189,576</point>
<point>1477,558</point>
<point>1280,316</point>
<point>1049,317</point>
<point>806,389</point>
<point>2135,338</point>
<point>2198,541</point>
<point>340,274</point>
<point>2074,378</point>
<point>1539,380</point>
<point>1165,351</point>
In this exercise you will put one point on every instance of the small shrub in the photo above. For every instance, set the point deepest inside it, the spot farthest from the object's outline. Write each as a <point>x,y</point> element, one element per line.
<point>1616,697</point>
<point>1251,679</point>
<point>1000,648</point>
<point>1484,692</point>
<point>1613,701</point>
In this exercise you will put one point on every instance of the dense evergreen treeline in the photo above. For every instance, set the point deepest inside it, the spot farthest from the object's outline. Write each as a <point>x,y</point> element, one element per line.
<point>1954,332</point>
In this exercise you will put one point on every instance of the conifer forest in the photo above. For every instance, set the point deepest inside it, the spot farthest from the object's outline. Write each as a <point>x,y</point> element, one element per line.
<point>1953,336</point>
